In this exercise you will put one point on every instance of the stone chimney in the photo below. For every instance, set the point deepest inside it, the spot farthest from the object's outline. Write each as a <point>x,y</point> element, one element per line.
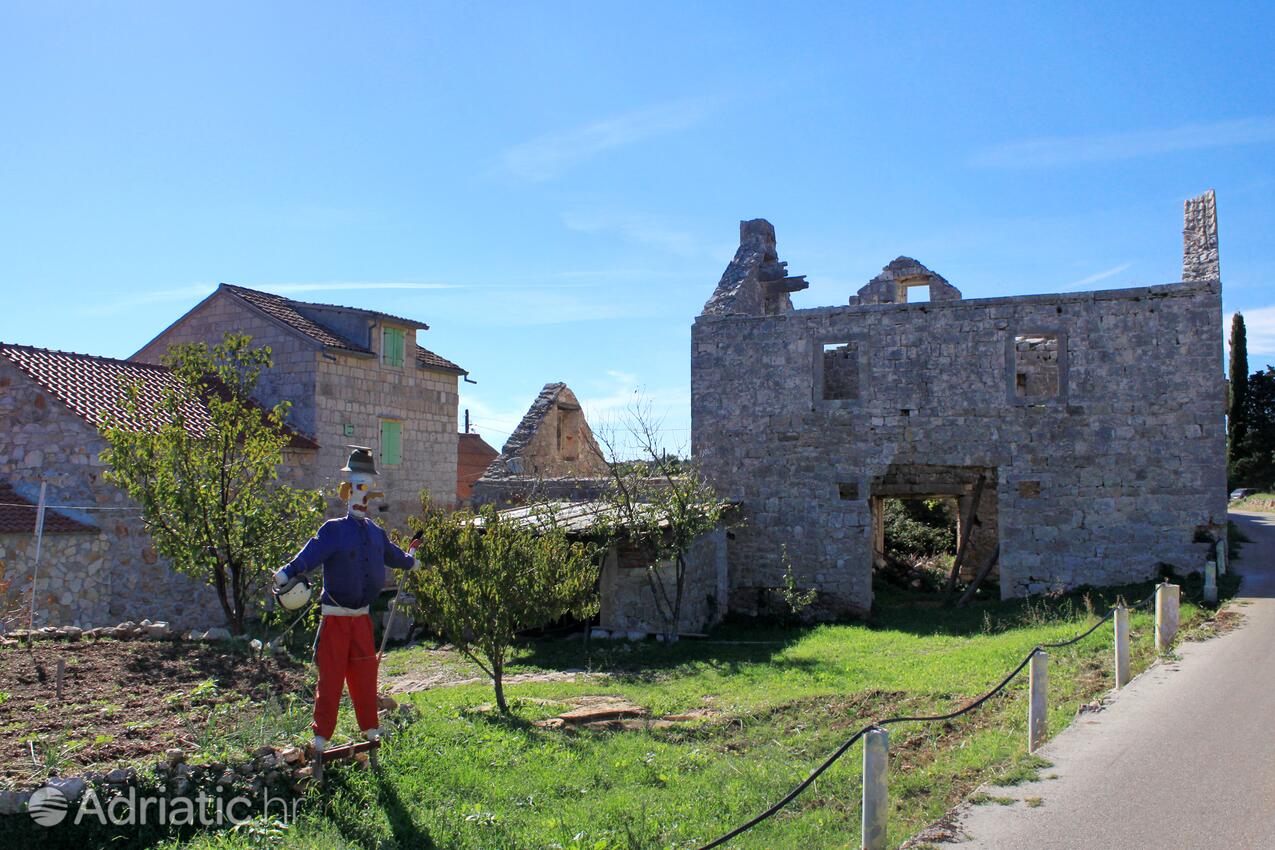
<point>1199,239</point>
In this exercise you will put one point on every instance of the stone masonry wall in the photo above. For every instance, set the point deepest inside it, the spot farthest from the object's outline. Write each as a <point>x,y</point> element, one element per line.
<point>85,580</point>
<point>1096,484</point>
<point>293,376</point>
<point>628,604</point>
<point>359,392</point>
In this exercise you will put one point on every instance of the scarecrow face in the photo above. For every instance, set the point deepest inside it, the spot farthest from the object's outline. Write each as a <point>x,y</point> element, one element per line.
<point>358,492</point>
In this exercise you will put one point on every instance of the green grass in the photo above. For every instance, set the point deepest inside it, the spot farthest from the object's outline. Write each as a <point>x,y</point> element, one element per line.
<point>784,699</point>
<point>1255,502</point>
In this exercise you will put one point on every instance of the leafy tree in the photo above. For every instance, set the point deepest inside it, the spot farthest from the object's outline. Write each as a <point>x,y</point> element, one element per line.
<point>486,578</point>
<point>660,504</point>
<point>1255,464</point>
<point>1237,406</point>
<point>203,461</point>
<point>919,528</point>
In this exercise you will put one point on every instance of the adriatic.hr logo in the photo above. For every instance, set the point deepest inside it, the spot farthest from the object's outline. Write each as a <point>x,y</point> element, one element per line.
<point>47,806</point>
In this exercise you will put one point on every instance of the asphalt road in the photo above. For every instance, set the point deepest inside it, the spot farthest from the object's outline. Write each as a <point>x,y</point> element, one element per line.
<point>1184,757</point>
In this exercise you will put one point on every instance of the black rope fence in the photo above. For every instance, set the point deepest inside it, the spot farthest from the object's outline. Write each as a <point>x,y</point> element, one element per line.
<point>933,718</point>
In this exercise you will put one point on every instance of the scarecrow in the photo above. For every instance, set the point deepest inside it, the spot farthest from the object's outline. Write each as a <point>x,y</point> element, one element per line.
<point>354,552</point>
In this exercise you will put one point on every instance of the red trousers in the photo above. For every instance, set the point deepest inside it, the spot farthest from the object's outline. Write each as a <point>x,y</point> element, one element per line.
<point>345,652</point>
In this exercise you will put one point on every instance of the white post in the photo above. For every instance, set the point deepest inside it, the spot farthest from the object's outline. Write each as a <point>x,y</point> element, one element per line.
<point>1038,701</point>
<point>1222,557</point>
<point>1166,616</point>
<point>1123,674</point>
<point>1210,583</point>
<point>39,538</point>
<point>876,756</point>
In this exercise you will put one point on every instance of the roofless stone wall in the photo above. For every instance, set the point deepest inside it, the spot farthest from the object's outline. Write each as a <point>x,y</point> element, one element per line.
<point>1095,420</point>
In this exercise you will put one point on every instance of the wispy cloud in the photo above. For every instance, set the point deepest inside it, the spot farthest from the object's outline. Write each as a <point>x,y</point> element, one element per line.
<point>1094,278</point>
<point>1259,327</point>
<point>639,229</point>
<point>546,157</point>
<point>1075,150</point>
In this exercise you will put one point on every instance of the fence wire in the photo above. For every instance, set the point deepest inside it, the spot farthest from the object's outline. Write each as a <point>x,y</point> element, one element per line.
<point>932,718</point>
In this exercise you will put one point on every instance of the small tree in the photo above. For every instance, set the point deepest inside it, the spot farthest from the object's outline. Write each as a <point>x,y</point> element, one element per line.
<point>486,578</point>
<point>660,504</point>
<point>203,463</point>
<point>1237,403</point>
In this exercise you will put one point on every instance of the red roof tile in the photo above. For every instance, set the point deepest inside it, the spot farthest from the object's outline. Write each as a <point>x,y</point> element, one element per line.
<point>17,516</point>
<point>285,310</point>
<point>427,359</point>
<point>282,309</point>
<point>94,387</point>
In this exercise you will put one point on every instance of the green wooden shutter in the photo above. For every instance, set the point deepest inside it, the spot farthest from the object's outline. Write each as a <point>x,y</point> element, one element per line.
<point>391,442</point>
<point>392,346</point>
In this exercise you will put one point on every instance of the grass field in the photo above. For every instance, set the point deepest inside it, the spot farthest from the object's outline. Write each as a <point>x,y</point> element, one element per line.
<point>779,701</point>
<point>1264,502</point>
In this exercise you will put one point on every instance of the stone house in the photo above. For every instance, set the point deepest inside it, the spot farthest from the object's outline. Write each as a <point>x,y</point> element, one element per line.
<point>97,565</point>
<point>353,376</point>
<point>1081,434</point>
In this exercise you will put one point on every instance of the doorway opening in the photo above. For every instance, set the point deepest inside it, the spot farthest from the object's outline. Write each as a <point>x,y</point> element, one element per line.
<point>935,528</point>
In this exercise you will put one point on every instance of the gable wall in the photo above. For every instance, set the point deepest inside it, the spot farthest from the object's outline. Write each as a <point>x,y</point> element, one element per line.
<point>293,376</point>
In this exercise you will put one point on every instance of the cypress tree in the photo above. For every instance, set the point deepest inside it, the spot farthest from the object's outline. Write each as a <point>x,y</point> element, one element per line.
<point>1237,407</point>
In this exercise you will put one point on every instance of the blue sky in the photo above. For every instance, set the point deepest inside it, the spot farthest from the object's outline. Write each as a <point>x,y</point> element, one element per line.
<point>556,189</point>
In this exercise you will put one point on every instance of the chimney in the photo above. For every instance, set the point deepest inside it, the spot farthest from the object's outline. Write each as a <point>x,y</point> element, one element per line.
<point>1199,239</point>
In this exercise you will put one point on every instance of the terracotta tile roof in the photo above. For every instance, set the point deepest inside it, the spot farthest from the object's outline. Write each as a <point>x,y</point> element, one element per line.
<point>94,387</point>
<point>427,359</point>
<point>473,455</point>
<point>284,310</point>
<point>17,516</point>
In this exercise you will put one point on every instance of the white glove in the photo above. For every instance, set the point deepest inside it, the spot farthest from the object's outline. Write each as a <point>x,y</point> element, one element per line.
<point>281,578</point>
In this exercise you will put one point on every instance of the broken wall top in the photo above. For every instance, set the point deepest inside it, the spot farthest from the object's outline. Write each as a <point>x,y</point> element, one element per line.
<point>756,282</point>
<point>1199,239</point>
<point>900,275</point>
<point>553,440</point>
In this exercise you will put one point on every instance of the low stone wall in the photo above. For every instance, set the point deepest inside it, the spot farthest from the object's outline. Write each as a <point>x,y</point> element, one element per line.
<point>628,604</point>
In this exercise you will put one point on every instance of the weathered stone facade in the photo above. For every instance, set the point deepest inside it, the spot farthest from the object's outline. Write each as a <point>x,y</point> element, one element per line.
<point>342,389</point>
<point>627,597</point>
<point>91,578</point>
<point>1095,421</point>
<point>552,454</point>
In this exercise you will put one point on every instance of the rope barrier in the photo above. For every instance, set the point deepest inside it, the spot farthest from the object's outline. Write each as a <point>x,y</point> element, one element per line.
<point>934,718</point>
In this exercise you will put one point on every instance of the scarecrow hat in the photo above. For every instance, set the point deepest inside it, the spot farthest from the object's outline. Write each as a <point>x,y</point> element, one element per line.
<point>360,461</point>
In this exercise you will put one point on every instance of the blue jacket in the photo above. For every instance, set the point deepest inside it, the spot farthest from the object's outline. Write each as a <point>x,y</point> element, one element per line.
<point>354,553</point>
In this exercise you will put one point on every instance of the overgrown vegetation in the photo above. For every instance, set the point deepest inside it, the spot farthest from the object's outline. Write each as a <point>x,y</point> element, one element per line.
<point>209,485</point>
<point>658,505</point>
<point>919,528</point>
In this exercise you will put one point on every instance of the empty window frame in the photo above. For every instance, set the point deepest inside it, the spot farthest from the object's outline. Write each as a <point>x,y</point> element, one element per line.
<point>1037,366</point>
<point>840,371</point>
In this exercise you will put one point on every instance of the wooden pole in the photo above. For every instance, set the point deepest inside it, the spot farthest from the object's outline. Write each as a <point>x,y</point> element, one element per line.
<point>39,538</point>
<point>967,527</point>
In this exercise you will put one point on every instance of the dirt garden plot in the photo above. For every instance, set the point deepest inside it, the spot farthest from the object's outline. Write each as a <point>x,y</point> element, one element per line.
<point>121,701</point>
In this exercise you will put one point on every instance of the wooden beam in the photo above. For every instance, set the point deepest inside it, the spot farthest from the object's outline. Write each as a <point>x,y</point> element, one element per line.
<point>967,527</point>
<point>982,574</point>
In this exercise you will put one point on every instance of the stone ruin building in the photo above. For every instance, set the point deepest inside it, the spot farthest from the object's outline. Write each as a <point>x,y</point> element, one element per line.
<point>551,454</point>
<point>1081,434</point>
